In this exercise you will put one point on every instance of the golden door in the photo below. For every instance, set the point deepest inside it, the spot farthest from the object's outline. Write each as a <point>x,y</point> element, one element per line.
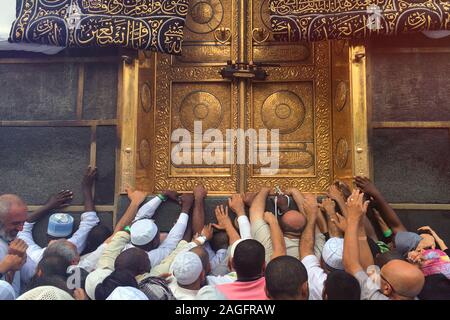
<point>300,89</point>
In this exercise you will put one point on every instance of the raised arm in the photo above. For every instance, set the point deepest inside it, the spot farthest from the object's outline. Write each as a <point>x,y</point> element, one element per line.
<point>149,208</point>
<point>236,203</point>
<point>356,211</point>
<point>86,186</point>
<point>328,206</point>
<point>177,232</point>
<point>136,197</point>
<point>335,194</point>
<point>258,206</point>
<point>224,223</point>
<point>278,243</point>
<point>385,209</point>
<point>198,214</point>
<point>311,209</point>
<point>60,200</point>
<point>298,198</point>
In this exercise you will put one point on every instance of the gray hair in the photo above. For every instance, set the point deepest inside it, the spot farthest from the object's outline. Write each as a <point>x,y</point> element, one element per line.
<point>60,248</point>
<point>5,205</point>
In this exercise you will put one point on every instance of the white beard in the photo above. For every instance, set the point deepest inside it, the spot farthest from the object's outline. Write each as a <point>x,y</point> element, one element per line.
<point>5,236</point>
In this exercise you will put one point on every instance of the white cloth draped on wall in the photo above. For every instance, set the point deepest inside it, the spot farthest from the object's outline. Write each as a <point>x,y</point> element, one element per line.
<point>7,17</point>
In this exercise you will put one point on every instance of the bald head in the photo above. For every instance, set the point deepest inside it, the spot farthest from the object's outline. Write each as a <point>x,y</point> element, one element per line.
<point>404,278</point>
<point>292,221</point>
<point>13,213</point>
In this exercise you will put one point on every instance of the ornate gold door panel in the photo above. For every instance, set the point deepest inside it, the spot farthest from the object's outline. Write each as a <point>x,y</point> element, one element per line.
<point>297,97</point>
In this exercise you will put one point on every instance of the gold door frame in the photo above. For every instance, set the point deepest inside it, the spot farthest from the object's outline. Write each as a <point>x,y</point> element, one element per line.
<point>341,151</point>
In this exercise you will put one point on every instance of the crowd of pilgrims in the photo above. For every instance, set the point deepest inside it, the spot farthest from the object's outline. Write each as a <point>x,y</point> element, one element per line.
<point>345,245</point>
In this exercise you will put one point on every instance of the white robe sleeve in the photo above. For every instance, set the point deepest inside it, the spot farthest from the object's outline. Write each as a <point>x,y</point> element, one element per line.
<point>244,227</point>
<point>34,251</point>
<point>88,221</point>
<point>148,210</point>
<point>170,243</point>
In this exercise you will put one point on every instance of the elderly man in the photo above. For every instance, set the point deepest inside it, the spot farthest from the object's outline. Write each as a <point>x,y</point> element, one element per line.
<point>399,280</point>
<point>58,228</point>
<point>15,265</point>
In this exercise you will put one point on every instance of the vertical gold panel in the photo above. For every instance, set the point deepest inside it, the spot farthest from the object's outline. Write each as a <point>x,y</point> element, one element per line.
<point>342,113</point>
<point>190,88</point>
<point>128,123</point>
<point>145,121</point>
<point>359,110</point>
<point>294,98</point>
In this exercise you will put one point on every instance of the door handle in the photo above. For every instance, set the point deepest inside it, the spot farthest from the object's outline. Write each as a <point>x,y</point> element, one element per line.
<point>260,32</point>
<point>222,35</point>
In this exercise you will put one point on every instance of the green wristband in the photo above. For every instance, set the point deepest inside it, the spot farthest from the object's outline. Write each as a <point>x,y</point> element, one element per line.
<point>127,229</point>
<point>162,197</point>
<point>387,233</point>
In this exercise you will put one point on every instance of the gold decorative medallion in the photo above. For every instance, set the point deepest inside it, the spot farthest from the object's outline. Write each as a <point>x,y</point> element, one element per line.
<point>144,153</point>
<point>340,95</point>
<point>283,110</point>
<point>146,97</point>
<point>200,106</point>
<point>341,154</point>
<point>204,15</point>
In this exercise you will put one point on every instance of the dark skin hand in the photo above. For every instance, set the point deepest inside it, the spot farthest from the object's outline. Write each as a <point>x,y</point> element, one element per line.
<point>186,202</point>
<point>57,201</point>
<point>387,213</point>
<point>170,194</point>
<point>86,186</point>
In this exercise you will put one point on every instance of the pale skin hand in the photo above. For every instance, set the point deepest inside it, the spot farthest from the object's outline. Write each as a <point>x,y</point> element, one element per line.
<point>18,247</point>
<point>223,220</point>
<point>12,263</point>
<point>329,207</point>
<point>136,197</point>
<point>224,223</point>
<point>278,243</point>
<point>439,241</point>
<point>298,198</point>
<point>354,250</point>
<point>335,194</point>
<point>307,241</point>
<point>236,203</point>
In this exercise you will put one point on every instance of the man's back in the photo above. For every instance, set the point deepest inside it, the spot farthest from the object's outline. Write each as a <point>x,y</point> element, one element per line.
<point>244,290</point>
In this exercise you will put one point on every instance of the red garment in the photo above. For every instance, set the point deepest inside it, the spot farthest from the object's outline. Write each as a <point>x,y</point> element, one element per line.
<point>240,290</point>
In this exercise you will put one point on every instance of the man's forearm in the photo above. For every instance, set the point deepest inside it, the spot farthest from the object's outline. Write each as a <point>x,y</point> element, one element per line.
<point>198,215</point>
<point>333,230</point>
<point>298,198</point>
<point>278,244</point>
<point>259,205</point>
<point>128,217</point>
<point>387,213</point>
<point>307,239</point>
<point>365,254</point>
<point>351,247</point>
<point>38,214</point>
<point>88,199</point>
<point>233,235</point>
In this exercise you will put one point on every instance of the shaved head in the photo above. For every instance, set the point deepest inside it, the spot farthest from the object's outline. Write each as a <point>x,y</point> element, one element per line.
<point>292,221</point>
<point>405,279</point>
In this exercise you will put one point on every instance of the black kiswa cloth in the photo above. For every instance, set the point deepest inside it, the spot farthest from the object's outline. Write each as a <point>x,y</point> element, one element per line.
<point>315,20</point>
<point>155,25</point>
